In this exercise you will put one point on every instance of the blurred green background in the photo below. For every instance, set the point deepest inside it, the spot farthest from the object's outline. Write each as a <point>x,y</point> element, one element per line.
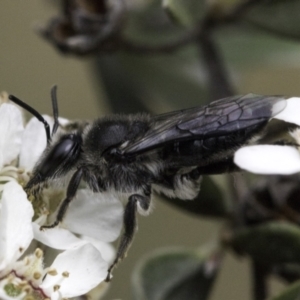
<point>29,67</point>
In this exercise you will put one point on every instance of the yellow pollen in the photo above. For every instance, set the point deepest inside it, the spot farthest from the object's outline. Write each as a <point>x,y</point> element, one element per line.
<point>10,278</point>
<point>56,287</point>
<point>26,261</point>
<point>37,275</point>
<point>22,283</point>
<point>52,272</point>
<point>65,274</point>
<point>27,289</point>
<point>38,253</point>
<point>46,212</point>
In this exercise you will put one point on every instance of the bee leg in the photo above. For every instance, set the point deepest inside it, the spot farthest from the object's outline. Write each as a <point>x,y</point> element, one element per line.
<point>71,192</point>
<point>135,202</point>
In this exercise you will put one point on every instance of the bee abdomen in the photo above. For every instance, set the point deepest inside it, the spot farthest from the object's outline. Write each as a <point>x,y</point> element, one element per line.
<point>192,151</point>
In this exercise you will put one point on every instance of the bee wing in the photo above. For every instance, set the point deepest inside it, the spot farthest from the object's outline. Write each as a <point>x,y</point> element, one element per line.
<point>220,117</point>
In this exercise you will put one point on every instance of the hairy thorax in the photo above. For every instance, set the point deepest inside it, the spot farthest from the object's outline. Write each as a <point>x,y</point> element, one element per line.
<point>127,176</point>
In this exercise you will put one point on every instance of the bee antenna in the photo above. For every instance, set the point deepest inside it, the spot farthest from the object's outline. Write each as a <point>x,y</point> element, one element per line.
<point>54,108</point>
<point>34,113</point>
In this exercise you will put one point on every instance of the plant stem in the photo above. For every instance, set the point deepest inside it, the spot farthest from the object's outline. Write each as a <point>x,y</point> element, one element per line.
<point>218,80</point>
<point>259,275</point>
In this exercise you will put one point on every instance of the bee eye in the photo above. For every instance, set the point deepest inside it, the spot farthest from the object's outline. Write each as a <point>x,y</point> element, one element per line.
<point>65,151</point>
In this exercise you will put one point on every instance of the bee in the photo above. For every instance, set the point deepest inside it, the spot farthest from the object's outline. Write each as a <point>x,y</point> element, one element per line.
<point>139,154</point>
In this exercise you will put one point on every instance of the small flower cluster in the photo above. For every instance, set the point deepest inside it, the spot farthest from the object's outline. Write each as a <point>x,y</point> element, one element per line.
<point>79,249</point>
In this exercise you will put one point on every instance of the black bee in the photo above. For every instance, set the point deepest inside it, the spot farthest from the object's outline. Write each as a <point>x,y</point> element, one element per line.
<point>134,155</point>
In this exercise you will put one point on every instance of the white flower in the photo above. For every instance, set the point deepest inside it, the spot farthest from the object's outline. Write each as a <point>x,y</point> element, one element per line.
<point>275,159</point>
<point>15,225</point>
<point>92,222</point>
<point>73,272</point>
<point>11,130</point>
<point>95,215</point>
<point>89,214</point>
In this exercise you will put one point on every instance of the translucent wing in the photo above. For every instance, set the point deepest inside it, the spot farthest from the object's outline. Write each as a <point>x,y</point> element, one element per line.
<point>219,118</point>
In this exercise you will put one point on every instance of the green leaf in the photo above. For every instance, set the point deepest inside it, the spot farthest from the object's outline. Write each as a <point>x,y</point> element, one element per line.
<point>157,84</point>
<point>176,275</point>
<point>172,82</point>
<point>226,4</point>
<point>290,293</point>
<point>185,12</point>
<point>277,16</point>
<point>209,203</point>
<point>270,243</point>
<point>123,94</point>
<point>244,46</point>
<point>150,24</point>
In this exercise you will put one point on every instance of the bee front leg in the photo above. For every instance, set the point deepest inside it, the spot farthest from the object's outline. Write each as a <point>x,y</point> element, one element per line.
<point>135,202</point>
<point>71,193</point>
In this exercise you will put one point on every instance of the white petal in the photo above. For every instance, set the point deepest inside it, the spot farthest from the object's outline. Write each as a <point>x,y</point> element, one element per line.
<point>98,215</point>
<point>57,238</point>
<point>291,113</point>
<point>107,250</point>
<point>85,267</point>
<point>63,121</point>
<point>15,223</point>
<point>268,159</point>
<point>11,129</point>
<point>1,159</point>
<point>56,295</point>
<point>34,142</point>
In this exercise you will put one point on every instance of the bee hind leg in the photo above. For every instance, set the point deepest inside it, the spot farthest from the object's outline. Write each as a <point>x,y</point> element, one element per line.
<point>135,202</point>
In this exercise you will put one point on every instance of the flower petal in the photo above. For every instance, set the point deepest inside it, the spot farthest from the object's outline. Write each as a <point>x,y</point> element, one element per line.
<point>56,295</point>
<point>34,142</point>
<point>98,215</point>
<point>268,159</point>
<point>57,238</point>
<point>1,159</point>
<point>291,113</point>
<point>78,271</point>
<point>11,129</point>
<point>107,250</point>
<point>15,223</point>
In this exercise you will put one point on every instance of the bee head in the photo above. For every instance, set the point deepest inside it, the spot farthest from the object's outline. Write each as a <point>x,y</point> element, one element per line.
<point>57,160</point>
<point>59,157</point>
